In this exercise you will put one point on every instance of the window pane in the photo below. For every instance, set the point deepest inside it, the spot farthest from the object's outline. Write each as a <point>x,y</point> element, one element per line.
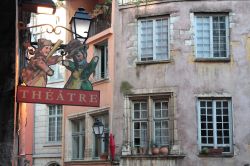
<point>161,37</point>
<point>136,133</point>
<point>158,124</point>
<point>136,106</point>
<point>203,133</point>
<point>146,36</point>
<point>210,125</point>
<point>157,106</point>
<point>210,132</point>
<point>144,114</point>
<point>75,143</point>
<point>158,113</point>
<point>203,111</point>
<point>144,106</point>
<point>164,124</point>
<point>202,36</point>
<point>165,113</point>
<point>136,114</point>
<point>210,140</point>
<point>204,140</point>
<point>59,128</point>
<point>51,129</point>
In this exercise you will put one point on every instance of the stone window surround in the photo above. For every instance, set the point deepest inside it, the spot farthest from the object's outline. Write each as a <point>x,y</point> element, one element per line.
<point>215,96</point>
<point>89,120</point>
<point>171,91</point>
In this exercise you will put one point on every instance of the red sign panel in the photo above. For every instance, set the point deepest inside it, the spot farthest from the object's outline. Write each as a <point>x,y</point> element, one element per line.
<point>29,94</point>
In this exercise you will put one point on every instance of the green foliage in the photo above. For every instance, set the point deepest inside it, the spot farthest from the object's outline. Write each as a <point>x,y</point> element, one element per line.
<point>125,87</point>
<point>204,151</point>
<point>102,9</point>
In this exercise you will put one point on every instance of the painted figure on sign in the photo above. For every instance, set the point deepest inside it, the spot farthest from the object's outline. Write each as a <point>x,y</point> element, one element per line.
<point>80,68</point>
<point>37,70</point>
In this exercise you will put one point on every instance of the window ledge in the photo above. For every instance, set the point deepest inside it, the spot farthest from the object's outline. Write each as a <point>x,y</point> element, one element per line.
<point>87,162</point>
<point>101,81</point>
<point>170,156</point>
<point>99,36</point>
<point>152,62</point>
<point>212,60</point>
<point>52,144</point>
<point>216,155</point>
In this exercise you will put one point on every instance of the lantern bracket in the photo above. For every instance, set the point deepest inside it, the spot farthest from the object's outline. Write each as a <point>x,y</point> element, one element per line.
<point>50,28</point>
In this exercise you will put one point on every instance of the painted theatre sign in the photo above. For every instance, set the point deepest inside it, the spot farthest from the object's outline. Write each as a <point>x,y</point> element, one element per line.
<point>78,90</point>
<point>28,94</point>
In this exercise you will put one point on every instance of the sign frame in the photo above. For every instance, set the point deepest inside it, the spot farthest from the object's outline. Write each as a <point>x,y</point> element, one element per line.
<point>58,96</point>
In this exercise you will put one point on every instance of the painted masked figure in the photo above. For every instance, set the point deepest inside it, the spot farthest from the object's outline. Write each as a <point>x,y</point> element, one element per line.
<point>80,68</point>
<point>35,74</point>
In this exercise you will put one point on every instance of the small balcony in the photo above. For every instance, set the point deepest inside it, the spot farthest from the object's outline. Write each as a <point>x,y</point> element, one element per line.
<point>101,18</point>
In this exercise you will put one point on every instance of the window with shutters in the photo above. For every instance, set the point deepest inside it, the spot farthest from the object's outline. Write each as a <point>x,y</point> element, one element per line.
<point>153,39</point>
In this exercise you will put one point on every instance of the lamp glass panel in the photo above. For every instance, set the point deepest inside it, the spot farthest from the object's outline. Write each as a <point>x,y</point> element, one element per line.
<point>82,27</point>
<point>73,28</point>
<point>96,130</point>
<point>101,128</point>
<point>44,10</point>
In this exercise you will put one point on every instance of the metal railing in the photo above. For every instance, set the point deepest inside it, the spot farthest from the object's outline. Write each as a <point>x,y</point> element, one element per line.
<point>99,24</point>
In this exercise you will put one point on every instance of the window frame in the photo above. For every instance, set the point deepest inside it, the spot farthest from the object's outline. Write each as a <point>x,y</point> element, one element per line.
<point>56,137</point>
<point>211,45</point>
<point>167,118</point>
<point>104,118</point>
<point>154,58</point>
<point>215,144</point>
<point>98,52</point>
<point>81,135</point>
<point>150,100</point>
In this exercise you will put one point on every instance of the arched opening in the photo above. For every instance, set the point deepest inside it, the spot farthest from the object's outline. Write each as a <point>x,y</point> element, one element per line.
<point>53,164</point>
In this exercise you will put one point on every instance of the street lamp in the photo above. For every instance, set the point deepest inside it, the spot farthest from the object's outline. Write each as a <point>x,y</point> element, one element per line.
<point>80,24</point>
<point>98,128</point>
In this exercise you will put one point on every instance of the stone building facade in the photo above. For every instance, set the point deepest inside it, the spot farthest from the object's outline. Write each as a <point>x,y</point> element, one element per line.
<point>181,81</point>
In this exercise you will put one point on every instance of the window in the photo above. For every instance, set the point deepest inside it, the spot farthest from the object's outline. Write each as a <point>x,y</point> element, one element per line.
<point>212,36</point>
<point>101,144</point>
<point>215,124</point>
<point>151,115</point>
<point>140,123</point>
<point>55,123</point>
<point>153,39</point>
<point>58,73</point>
<point>78,138</point>
<point>101,50</point>
<point>161,121</point>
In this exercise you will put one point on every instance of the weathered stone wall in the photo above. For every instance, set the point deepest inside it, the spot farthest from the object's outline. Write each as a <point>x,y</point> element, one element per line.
<point>189,77</point>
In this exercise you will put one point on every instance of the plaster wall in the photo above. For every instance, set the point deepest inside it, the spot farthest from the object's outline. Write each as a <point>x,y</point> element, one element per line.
<point>190,78</point>
<point>105,86</point>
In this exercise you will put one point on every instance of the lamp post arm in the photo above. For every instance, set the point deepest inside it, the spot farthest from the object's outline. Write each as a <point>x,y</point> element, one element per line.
<point>51,29</point>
